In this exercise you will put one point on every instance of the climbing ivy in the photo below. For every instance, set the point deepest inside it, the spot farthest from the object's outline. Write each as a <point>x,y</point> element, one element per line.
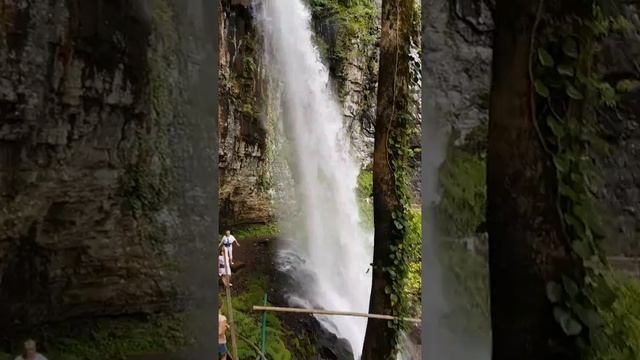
<point>567,94</point>
<point>403,253</point>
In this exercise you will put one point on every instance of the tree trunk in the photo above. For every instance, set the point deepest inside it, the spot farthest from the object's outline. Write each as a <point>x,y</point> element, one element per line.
<point>527,246</point>
<point>393,94</point>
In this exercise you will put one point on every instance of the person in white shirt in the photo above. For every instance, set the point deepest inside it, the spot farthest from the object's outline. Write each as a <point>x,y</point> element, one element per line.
<point>30,352</point>
<point>227,241</point>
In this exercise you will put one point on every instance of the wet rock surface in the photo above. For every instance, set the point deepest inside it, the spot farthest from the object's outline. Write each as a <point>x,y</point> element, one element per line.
<point>83,148</point>
<point>242,128</point>
<point>620,194</point>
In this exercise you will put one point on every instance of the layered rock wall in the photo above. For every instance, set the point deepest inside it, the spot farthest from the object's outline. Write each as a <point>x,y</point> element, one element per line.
<point>242,152</point>
<point>106,156</point>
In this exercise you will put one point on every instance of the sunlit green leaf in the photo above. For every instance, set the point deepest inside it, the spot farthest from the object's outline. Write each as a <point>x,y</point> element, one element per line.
<point>573,92</point>
<point>627,85</point>
<point>555,126</point>
<point>545,58</point>
<point>570,48</point>
<point>565,69</point>
<point>541,88</point>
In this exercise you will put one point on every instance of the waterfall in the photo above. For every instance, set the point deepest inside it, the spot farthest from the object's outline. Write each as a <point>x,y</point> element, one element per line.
<point>335,249</point>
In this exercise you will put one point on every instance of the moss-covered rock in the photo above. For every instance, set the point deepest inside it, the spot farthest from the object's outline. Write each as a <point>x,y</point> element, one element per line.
<point>345,28</point>
<point>463,193</point>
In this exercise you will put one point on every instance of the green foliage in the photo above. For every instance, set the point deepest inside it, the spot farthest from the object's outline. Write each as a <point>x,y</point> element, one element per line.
<point>463,199</point>
<point>568,96</point>
<point>399,153</point>
<point>468,292</point>
<point>356,18</point>
<point>356,29</point>
<point>627,85</point>
<point>620,339</point>
<point>256,231</point>
<point>113,339</point>
<point>248,323</point>
<point>413,281</point>
<point>402,238</point>
<point>364,192</point>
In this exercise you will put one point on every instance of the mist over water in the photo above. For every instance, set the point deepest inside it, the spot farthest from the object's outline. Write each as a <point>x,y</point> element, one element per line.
<point>328,238</point>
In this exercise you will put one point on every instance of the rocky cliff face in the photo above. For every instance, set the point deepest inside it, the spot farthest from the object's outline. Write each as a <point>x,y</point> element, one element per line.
<point>346,36</point>
<point>242,151</point>
<point>458,38</point>
<point>106,155</point>
<point>621,169</point>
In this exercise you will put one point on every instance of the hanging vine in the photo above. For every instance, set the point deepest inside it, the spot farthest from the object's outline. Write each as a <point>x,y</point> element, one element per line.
<point>400,151</point>
<point>567,93</point>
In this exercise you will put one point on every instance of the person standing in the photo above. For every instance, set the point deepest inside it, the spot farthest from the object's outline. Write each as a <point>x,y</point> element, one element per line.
<point>224,270</point>
<point>222,337</point>
<point>227,241</point>
<point>30,352</point>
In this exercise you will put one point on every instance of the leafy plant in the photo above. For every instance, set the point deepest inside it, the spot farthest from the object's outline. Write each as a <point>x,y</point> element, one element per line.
<point>620,338</point>
<point>568,91</point>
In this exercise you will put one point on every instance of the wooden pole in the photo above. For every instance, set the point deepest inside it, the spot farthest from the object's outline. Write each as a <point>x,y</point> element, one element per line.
<point>247,341</point>
<point>331,312</point>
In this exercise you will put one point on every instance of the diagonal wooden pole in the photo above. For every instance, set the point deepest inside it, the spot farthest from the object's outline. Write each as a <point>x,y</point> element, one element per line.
<point>331,312</point>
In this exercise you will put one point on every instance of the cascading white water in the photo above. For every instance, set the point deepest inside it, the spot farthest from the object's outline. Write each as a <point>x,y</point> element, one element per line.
<point>330,238</point>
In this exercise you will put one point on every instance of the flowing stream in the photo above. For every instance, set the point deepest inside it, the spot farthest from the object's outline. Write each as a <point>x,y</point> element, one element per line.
<point>329,238</point>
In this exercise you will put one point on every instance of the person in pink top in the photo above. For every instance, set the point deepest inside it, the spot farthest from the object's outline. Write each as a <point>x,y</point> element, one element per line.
<point>224,269</point>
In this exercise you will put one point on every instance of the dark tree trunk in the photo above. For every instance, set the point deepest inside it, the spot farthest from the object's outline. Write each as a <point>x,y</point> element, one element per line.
<point>527,246</point>
<point>393,94</point>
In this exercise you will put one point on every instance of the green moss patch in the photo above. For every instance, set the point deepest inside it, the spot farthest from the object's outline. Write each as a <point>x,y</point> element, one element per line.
<point>620,337</point>
<point>356,31</point>
<point>364,192</point>
<point>248,324</point>
<point>468,290</point>
<point>111,338</point>
<point>413,282</point>
<point>256,231</point>
<point>463,199</point>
